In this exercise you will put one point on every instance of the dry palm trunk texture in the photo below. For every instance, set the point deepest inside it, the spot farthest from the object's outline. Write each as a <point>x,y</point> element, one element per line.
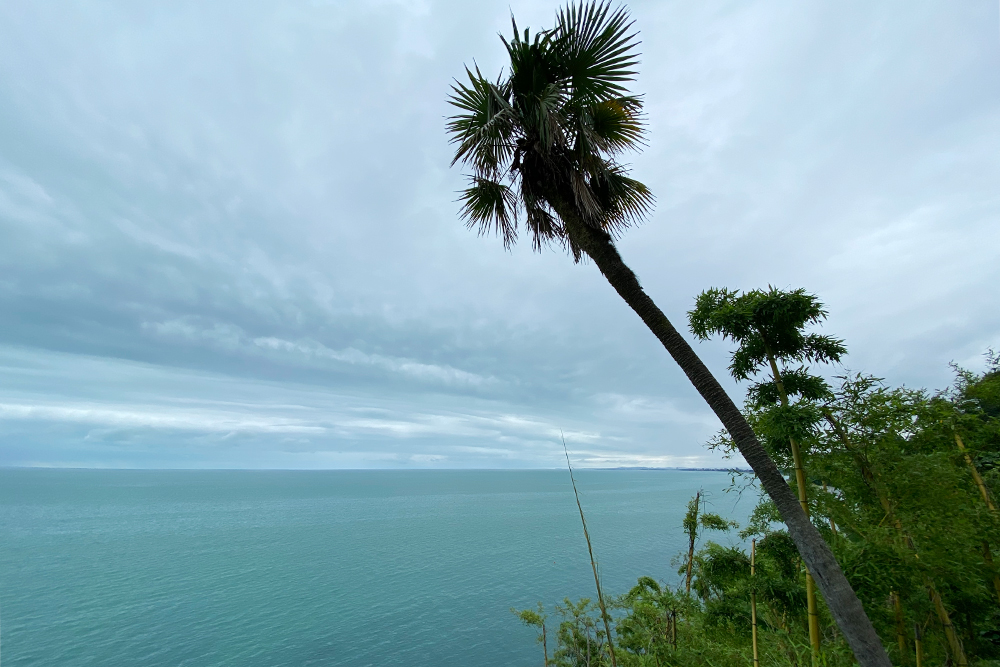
<point>841,599</point>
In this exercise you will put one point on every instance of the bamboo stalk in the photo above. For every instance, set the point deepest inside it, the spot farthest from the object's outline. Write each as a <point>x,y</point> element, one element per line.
<point>812,608</point>
<point>918,644</point>
<point>593,563</point>
<point>984,492</point>
<point>975,473</point>
<point>953,641</point>
<point>800,483</point>
<point>988,557</point>
<point>753,603</point>
<point>957,651</point>
<point>897,608</point>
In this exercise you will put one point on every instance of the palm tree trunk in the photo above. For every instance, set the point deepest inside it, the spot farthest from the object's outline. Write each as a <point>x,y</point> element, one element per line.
<point>840,597</point>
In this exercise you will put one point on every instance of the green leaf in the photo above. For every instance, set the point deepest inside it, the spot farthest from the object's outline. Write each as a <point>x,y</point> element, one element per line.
<point>595,50</point>
<point>484,130</point>
<point>492,207</point>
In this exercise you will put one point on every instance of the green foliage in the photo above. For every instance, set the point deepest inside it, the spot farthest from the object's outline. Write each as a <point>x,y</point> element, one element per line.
<point>532,618</point>
<point>766,325</point>
<point>889,488</point>
<point>536,619</point>
<point>716,522</point>
<point>581,638</point>
<point>795,382</point>
<point>694,518</point>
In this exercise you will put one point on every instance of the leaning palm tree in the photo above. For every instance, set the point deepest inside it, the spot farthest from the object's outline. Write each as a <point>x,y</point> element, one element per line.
<point>543,142</point>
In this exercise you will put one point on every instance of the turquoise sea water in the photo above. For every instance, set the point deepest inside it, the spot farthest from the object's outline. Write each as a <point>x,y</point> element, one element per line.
<point>415,568</point>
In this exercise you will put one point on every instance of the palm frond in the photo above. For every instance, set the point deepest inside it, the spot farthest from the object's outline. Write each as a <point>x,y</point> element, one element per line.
<point>484,127</point>
<point>538,95</point>
<point>617,124</point>
<point>545,118</point>
<point>587,203</point>
<point>625,201</point>
<point>595,49</point>
<point>606,128</point>
<point>492,207</point>
<point>542,224</point>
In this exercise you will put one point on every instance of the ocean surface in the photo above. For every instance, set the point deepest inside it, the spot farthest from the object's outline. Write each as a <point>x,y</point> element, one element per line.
<point>276,568</point>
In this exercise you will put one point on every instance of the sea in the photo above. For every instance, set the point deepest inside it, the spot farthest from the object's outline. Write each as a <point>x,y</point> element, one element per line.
<point>292,568</point>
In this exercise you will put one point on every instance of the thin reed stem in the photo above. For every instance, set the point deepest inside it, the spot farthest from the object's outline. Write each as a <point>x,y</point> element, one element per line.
<point>593,563</point>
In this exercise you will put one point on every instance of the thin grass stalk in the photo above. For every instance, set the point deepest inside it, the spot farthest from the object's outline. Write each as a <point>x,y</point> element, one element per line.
<point>593,562</point>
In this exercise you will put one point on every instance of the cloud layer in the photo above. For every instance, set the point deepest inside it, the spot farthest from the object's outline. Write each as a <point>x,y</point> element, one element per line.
<point>228,234</point>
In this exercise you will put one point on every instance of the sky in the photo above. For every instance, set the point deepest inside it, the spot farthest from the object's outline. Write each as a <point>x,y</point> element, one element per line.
<point>229,234</point>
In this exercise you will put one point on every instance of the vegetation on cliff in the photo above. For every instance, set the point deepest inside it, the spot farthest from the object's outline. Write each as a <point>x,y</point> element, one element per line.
<point>901,483</point>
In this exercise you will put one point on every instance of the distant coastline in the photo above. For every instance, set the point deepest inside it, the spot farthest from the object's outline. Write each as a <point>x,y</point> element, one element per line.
<point>683,469</point>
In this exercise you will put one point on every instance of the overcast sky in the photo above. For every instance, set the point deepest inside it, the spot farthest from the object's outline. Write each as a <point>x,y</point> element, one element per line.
<point>229,236</point>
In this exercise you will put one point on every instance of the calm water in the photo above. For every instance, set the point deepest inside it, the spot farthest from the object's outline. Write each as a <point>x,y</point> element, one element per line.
<point>415,568</point>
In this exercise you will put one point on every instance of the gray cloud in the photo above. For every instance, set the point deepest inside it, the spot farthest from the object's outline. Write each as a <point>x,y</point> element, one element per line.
<point>228,233</point>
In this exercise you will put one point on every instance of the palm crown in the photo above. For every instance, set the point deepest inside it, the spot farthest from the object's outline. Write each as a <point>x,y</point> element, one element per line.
<point>542,140</point>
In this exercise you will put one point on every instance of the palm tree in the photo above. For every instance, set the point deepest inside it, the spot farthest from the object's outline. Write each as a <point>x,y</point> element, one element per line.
<point>542,142</point>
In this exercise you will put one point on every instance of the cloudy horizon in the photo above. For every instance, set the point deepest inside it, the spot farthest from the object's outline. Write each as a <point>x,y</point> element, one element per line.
<point>229,234</point>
